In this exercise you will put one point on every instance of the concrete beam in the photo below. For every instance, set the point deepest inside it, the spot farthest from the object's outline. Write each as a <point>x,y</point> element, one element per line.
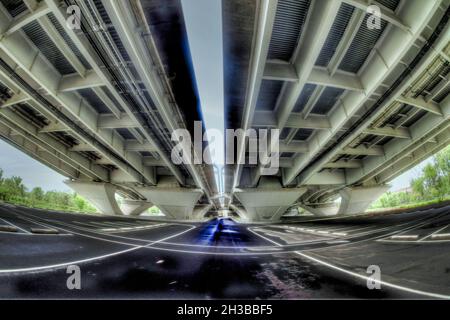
<point>73,82</point>
<point>343,164</point>
<point>386,13</point>
<point>420,103</point>
<point>35,65</point>
<point>425,129</point>
<point>266,119</point>
<point>22,20</point>
<point>390,51</point>
<point>261,40</point>
<point>401,133</point>
<point>106,121</point>
<point>280,70</point>
<point>152,162</point>
<point>342,80</point>
<point>364,151</point>
<point>56,37</point>
<point>144,55</point>
<point>15,99</point>
<point>136,146</point>
<point>54,127</point>
<point>321,16</point>
<point>91,57</point>
<point>328,177</point>
<point>295,147</point>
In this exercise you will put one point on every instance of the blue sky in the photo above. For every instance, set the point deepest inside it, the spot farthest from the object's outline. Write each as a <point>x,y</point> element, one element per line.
<point>203,19</point>
<point>34,174</point>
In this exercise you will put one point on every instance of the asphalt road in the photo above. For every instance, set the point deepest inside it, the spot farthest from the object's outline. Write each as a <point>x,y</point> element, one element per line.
<point>121,257</point>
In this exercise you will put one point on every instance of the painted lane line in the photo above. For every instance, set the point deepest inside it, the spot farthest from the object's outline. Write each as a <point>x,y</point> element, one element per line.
<point>13,225</point>
<point>405,237</point>
<point>363,277</point>
<point>265,238</point>
<point>343,234</point>
<point>150,247</point>
<point>433,233</point>
<point>54,266</point>
<point>445,236</point>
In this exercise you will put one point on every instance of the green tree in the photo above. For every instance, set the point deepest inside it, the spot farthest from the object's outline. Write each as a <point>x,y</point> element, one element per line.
<point>37,194</point>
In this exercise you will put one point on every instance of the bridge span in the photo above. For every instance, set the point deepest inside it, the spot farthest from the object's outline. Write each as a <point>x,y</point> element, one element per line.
<point>357,101</point>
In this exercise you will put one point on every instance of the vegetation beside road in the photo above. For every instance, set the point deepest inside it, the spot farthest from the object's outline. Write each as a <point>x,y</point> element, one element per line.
<point>431,186</point>
<point>12,190</point>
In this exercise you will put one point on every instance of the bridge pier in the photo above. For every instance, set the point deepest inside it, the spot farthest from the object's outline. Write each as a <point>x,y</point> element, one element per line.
<point>200,211</point>
<point>101,195</point>
<point>269,201</point>
<point>354,200</point>
<point>357,200</point>
<point>174,201</point>
<point>134,207</point>
<point>322,210</point>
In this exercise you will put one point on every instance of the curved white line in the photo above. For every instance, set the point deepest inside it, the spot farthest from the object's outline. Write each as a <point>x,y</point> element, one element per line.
<point>357,275</point>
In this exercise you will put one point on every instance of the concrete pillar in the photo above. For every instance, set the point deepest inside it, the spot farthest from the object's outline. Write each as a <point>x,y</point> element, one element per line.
<point>269,201</point>
<point>201,210</point>
<point>174,201</point>
<point>322,210</point>
<point>101,195</point>
<point>357,200</point>
<point>240,212</point>
<point>354,200</point>
<point>134,207</point>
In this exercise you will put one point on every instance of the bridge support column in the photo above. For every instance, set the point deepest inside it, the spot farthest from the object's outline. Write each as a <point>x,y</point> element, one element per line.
<point>322,210</point>
<point>240,212</point>
<point>201,210</point>
<point>134,207</point>
<point>174,201</point>
<point>354,200</point>
<point>357,200</point>
<point>101,195</point>
<point>269,201</point>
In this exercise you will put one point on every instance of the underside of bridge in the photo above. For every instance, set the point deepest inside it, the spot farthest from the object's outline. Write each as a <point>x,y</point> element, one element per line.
<point>357,103</point>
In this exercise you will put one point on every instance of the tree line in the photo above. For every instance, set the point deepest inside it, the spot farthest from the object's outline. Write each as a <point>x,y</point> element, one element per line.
<point>431,185</point>
<point>14,191</point>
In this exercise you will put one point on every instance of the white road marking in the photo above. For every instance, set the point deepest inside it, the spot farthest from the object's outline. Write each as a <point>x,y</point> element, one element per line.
<point>444,236</point>
<point>134,247</point>
<point>13,225</point>
<point>384,283</point>
<point>433,233</point>
<point>405,237</point>
<point>363,277</point>
<point>265,238</point>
